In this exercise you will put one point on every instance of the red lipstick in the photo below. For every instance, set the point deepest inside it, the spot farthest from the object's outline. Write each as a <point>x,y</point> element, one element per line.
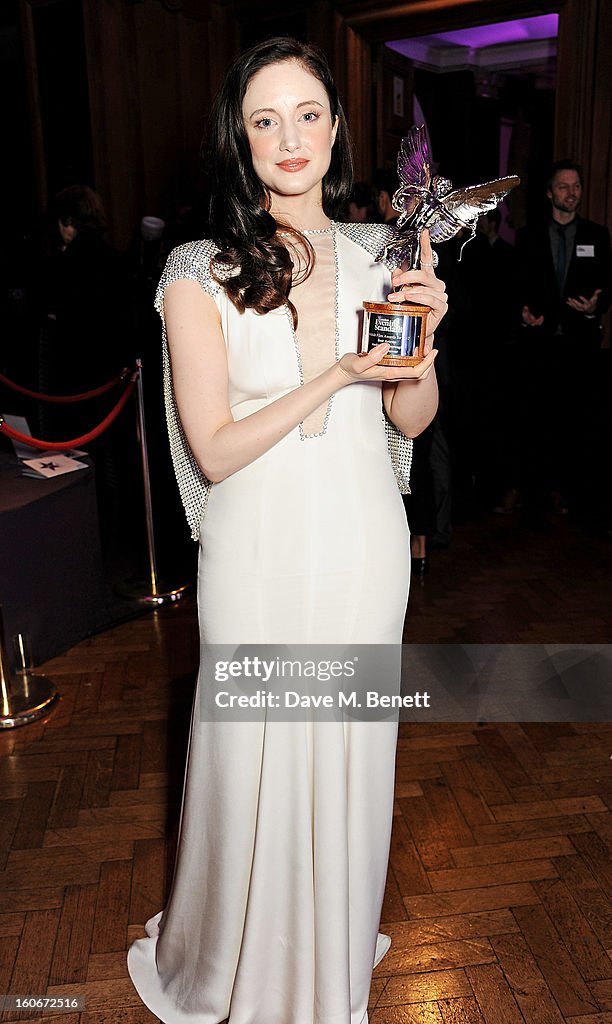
<point>292,165</point>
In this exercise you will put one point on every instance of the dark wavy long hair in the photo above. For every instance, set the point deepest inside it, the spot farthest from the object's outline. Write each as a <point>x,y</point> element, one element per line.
<point>256,258</point>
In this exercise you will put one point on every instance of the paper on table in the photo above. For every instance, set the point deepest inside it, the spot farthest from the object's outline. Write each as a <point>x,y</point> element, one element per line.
<point>54,465</point>
<point>22,451</point>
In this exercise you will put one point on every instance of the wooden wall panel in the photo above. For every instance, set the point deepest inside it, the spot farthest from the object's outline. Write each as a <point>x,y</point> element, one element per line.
<point>113,95</point>
<point>584,111</point>
<point>321,20</point>
<point>353,60</point>
<point>223,44</point>
<point>583,129</point>
<point>158,71</point>
<point>32,88</point>
<point>193,91</point>
<point>153,73</point>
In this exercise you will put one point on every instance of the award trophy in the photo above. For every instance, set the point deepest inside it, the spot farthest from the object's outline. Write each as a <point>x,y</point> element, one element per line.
<point>422,202</point>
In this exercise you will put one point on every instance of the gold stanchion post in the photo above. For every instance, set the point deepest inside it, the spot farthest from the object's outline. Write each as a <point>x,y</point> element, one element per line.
<point>152,591</point>
<point>26,696</point>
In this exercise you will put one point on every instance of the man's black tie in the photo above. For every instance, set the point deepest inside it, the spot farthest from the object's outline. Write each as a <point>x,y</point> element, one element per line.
<point>561,258</point>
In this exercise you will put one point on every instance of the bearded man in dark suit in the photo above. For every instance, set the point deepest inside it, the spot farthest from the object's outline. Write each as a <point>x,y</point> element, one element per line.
<point>566,273</point>
<point>567,267</point>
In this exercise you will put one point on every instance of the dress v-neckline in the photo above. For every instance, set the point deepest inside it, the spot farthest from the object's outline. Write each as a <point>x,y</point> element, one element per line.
<point>332,230</point>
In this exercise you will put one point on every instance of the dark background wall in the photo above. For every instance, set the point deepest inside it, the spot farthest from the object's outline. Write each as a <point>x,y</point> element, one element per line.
<point>116,93</point>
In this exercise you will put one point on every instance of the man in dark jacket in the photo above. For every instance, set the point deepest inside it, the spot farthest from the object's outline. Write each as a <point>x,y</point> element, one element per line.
<point>565,267</point>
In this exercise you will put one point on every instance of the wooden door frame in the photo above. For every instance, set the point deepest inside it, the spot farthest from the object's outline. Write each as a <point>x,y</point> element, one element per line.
<point>375,22</point>
<point>381,21</point>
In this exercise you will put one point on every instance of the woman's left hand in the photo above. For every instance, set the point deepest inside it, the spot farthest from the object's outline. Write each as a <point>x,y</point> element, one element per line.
<point>423,287</point>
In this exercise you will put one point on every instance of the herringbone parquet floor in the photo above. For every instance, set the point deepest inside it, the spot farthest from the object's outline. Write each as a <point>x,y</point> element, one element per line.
<point>498,895</point>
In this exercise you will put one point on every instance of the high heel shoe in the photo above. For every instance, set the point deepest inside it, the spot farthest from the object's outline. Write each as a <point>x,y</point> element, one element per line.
<point>419,567</point>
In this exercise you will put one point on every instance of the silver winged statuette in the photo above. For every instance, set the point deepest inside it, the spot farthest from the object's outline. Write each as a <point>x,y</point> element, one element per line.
<point>433,203</point>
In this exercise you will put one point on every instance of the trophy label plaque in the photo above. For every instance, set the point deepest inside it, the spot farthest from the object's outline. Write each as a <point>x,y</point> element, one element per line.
<point>402,325</point>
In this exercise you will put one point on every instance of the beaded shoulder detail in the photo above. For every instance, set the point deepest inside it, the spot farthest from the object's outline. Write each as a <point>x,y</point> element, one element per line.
<point>374,238</point>
<point>191,262</point>
<point>400,451</point>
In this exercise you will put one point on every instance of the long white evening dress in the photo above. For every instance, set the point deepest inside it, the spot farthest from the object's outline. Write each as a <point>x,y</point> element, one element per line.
<point>275,904</point>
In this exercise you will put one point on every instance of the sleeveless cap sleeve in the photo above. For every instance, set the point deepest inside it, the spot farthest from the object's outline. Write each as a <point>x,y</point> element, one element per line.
<point>189,262</point>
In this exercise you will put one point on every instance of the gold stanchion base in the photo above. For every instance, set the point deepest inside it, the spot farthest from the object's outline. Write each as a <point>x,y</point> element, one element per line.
<point>140,590</point>
<point>34,699</point>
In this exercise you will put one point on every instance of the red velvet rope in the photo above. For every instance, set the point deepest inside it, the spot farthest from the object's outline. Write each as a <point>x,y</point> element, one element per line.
<point>77,442</point>
<point>66,398</point>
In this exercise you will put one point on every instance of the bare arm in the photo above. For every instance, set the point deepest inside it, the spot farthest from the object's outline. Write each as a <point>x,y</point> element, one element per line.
<point>412,404</point>
<point>220,444</point>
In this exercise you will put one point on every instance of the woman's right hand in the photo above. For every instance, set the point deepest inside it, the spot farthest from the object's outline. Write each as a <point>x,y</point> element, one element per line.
<point>366,366</point>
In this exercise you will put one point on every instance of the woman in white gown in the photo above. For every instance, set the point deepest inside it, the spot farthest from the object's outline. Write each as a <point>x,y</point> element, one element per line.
<point>282,457</point>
